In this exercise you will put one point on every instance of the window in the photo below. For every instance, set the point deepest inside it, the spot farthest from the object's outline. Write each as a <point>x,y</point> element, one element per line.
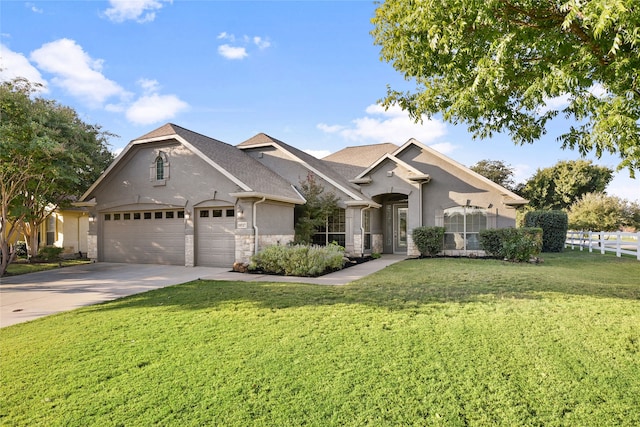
<point>127,216</point>
<point>333,230</point>
<point>51,229</point>
<point>147,215</point>
<point>136,215</point>
<point>366,225</point>
<point>462,225</point>
<point>180,214</point>
<point>157,215</point>
<point>204,214</point>
<point>107,217</point>
<point>230,213</point>
<point>216,213</point>
<point>168,215</point>
<point>159,169</point>
<point>116,217</point>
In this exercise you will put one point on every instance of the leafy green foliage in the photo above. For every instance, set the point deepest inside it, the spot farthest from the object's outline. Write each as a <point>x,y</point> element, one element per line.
<point>298,260</point>
<point>47,156</point>
<point>497,171</point>
<point>600,212</point>
<point>443,342</point>
<point>512,244</point>
<point>554,225</point>
<point>50,253</point>
<point>496,65</point>
<point>429,240</point>
<point>314,213</point>
<point>559,186</point>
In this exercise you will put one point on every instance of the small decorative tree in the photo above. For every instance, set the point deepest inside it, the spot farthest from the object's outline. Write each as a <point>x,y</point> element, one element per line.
<point>314,213</point>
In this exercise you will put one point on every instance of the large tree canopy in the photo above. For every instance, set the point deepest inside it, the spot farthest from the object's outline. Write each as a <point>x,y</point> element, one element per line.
<point>497,171</point>
<point>559,186</point>
<point>496,65</point>
<point>47,156</point>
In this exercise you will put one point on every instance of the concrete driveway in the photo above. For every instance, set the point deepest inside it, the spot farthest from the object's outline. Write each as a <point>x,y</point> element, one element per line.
<point>29,296</point>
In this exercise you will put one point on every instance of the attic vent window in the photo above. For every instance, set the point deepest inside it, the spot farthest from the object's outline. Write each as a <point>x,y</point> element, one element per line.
<point>159,169</point>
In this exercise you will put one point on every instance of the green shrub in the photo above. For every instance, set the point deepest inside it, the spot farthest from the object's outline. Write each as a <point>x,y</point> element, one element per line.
<point>298,260</point>
<point>50,253</point>
<point>513,244</point>
<point>492,241</point>
<point>554,225</point>
<point>429,240</point>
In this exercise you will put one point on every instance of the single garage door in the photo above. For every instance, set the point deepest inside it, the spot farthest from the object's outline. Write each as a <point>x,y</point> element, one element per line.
<point>215,238</point>
<point>145,237</point>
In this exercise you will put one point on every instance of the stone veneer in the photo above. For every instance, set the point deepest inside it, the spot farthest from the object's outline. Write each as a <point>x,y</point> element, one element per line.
<point>245,244</point>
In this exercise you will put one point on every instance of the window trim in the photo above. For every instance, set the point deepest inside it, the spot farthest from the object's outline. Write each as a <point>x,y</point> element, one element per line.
<point>159,176</point>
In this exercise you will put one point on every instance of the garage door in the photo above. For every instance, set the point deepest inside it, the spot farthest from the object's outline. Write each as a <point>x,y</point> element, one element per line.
<point>145,237</point>
<point>215,238</point>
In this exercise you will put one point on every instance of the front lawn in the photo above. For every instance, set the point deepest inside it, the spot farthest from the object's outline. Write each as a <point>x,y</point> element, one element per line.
<point>23,267</point>
<point>449,342</point>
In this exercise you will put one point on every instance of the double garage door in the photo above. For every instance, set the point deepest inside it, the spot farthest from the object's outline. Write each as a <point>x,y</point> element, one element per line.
<point>158,237</point>
<point>149,237</point>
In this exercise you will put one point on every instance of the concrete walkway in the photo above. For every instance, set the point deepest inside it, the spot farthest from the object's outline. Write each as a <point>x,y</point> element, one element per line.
<point>30,296</point>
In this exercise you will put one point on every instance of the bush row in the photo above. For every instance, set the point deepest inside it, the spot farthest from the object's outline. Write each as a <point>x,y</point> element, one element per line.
<point>298,260</point>
<point>513,244</point>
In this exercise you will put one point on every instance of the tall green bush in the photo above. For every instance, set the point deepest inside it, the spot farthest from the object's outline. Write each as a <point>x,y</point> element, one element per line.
<point>554,226</point>
<point>513,244</point>
<point>429,240</point>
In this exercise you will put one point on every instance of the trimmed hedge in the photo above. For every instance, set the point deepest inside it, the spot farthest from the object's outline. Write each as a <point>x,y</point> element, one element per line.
<point>513,244</point>
<point>298,260</point>
<point>429,240</point>
<point>50,253</point>
<point>554,226</point>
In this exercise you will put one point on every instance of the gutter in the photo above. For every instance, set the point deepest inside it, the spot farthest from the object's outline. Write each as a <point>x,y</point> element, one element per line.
<point>254,214</point>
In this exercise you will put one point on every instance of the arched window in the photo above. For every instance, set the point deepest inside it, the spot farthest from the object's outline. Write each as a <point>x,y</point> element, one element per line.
<point>462,225</point>
<point>159,168</point>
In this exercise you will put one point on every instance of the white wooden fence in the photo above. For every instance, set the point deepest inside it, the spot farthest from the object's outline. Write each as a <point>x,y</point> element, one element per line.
<point>605,241</point>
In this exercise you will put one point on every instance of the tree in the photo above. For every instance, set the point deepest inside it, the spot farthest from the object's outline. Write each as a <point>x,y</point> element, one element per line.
<point>559,186</point>
<point>496,66</point>
<point>47,156</point>
<point>497,171</point>
<point>597,212</point>
<point>315,212</point>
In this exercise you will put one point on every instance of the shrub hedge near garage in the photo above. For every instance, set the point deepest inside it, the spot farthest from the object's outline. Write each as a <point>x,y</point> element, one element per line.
<point>298,260</point>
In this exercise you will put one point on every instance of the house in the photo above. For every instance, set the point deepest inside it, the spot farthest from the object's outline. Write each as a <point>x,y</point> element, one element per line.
<point>174,196</point>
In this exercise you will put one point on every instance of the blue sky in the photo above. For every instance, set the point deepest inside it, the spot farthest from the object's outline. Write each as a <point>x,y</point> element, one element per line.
<point>305,72</point>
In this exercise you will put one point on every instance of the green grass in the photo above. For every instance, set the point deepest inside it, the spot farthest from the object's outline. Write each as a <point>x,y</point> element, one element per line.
<point>449,342</point>
<point>20,267</point>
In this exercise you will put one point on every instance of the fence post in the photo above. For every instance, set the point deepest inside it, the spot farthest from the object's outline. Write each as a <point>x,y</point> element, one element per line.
<point>602,243</point>
<point>638,246</point>
<point>618,244</point>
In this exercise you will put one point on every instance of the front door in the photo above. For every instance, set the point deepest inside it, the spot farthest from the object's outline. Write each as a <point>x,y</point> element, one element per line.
<point>400,229</point>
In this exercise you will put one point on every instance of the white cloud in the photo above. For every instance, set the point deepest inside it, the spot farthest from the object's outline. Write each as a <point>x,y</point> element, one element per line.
<point>231,52</point>
<point>76,72</point>
<point>13,64</point>
<point>238,47</point>
<point>318,154</point>
<point>136,10</point>
<point>148,85</point>
<point>391,125</point>
<point>261,43</point>
<point>33,7</point>
<point>443,147</point>
<point>155,108</point>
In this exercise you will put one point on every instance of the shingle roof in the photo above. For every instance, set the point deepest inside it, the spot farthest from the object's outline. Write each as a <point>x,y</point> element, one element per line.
<point>319,165</point>
<point>361,155</point>
<point>246,169</point>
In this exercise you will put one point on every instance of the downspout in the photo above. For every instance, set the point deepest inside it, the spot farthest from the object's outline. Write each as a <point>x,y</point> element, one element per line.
<point>254,214</point>
<point>362,231</point>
